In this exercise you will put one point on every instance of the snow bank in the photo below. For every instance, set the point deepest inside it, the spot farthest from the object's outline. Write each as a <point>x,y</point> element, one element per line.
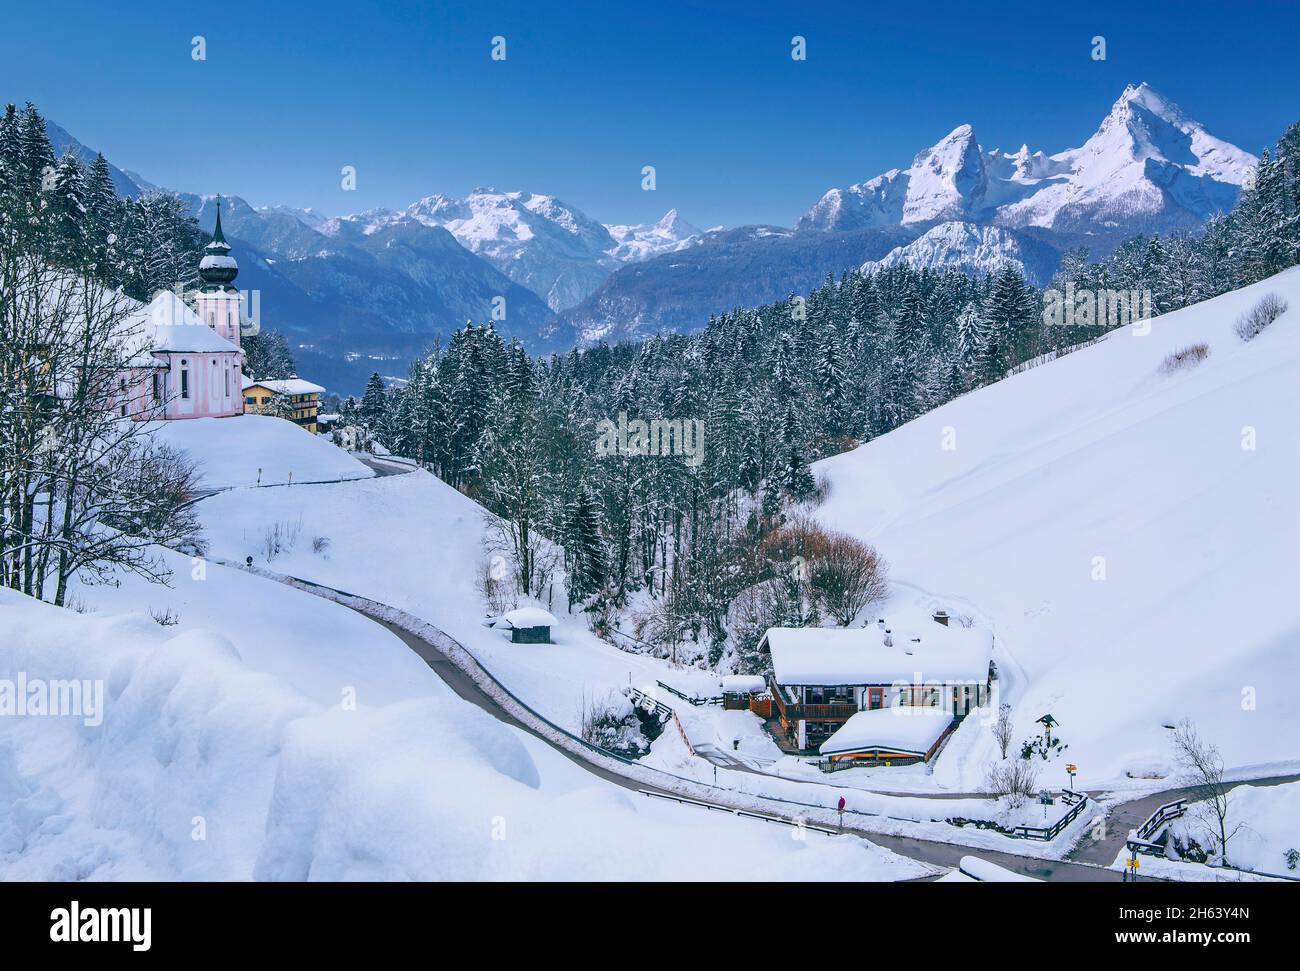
<point>248,449</point>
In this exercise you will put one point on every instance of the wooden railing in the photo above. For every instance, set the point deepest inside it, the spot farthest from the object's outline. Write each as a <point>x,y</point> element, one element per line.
<point>1049,833</point>
<point>794,712</point>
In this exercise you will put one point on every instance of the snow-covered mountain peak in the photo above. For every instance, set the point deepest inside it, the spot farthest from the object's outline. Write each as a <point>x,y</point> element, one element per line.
<point>642,241</point>
<point>1148,167</point>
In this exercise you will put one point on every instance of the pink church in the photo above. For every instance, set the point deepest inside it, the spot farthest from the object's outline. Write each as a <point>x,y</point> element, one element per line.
<point>188,362</point>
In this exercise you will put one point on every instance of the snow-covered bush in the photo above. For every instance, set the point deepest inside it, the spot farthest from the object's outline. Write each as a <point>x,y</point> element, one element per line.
<point>320,545</point>
<point>1253,321</point>
<point>611,723</point>
<point>1186,358</point>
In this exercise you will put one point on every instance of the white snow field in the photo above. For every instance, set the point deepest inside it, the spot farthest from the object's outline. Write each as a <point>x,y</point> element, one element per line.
<point>1129,534</point>
<point>248,449</point>
<point>231,752</point>
<point>413,542</point>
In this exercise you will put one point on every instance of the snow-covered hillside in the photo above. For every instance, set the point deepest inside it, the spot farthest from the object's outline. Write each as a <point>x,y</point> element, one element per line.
<point>1148,167</point>
<point>1130,534</point>
<point>273,735</point>
<point>253,449</point>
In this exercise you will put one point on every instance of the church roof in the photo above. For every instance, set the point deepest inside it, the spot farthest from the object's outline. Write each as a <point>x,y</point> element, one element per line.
<point>167,323</point>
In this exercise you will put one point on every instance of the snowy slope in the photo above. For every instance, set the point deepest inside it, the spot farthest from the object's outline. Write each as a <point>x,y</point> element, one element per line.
<point>248,449</point>
<point>974,249</point>
<point>413,542</point>
<point>1100,454</point>
<point>1147,167</point>
<point>224,753</point>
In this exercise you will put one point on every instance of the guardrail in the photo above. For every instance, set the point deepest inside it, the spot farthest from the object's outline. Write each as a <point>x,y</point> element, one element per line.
<point>796,823</point>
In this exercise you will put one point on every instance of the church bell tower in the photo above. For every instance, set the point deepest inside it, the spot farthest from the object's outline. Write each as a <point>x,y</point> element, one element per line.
<point>217,302</point>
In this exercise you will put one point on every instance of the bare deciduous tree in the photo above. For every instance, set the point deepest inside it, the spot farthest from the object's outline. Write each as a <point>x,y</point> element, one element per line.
<point>1002,729</point>
<point>1201,767</point>
<point>847,576</point>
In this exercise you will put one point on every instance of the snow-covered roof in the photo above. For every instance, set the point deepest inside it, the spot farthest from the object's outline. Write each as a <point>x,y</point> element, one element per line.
<point>168,324</point>
<point>910,647</point>
<point>529,617</point>
<point>742,683</point>
<point>286,386</point>
<point>212,261</point>
<point>904,728</point>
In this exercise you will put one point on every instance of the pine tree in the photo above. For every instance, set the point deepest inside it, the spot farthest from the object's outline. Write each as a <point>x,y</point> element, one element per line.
<point>373,410</point>
<point>67,213</point>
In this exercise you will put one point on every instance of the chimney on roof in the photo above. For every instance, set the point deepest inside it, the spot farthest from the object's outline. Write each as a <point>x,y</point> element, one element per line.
<point>941,617</point>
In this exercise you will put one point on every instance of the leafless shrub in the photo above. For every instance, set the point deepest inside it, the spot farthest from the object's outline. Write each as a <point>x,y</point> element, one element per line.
<point>320,545</point>
<point>165,617</point>
<point>280,537</point>
<point>1015,779</point>
<point>1253,321</point>
<point>496,583</point>
<point>1186,358</point>
<point>821,491</point>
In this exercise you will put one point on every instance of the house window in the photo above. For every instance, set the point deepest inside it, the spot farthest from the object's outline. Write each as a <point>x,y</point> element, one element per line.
<point>250,400</point>
<point>227,382</point>
<point>157,386</point>
<point>185,383</point>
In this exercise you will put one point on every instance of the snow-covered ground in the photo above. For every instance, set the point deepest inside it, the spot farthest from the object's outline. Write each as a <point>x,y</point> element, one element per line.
<point>413,542</point>
<point>233,746</point>
<point>1129,534</point>
<point>253,449</point>
<point>1264,823</point>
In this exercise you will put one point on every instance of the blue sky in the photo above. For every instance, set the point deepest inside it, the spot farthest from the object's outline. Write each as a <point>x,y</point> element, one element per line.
<point>591,92</point>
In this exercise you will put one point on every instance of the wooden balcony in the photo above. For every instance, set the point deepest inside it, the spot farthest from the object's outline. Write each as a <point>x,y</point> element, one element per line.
<point>791,712</point>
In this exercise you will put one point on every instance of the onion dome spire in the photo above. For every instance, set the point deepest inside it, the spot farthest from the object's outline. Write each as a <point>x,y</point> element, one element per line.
<point>218,268</point>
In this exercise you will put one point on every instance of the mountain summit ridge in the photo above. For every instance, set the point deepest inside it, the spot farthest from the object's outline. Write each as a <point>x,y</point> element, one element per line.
<point>1148,166</point>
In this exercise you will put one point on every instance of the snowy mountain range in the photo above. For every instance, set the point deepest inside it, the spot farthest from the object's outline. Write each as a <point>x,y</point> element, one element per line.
<point>1148,167</point>
<point>382,283</point>
<point>554,249</point>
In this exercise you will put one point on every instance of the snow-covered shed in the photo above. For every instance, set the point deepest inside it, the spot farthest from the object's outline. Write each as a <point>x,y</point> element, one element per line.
<point>527,625</point>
